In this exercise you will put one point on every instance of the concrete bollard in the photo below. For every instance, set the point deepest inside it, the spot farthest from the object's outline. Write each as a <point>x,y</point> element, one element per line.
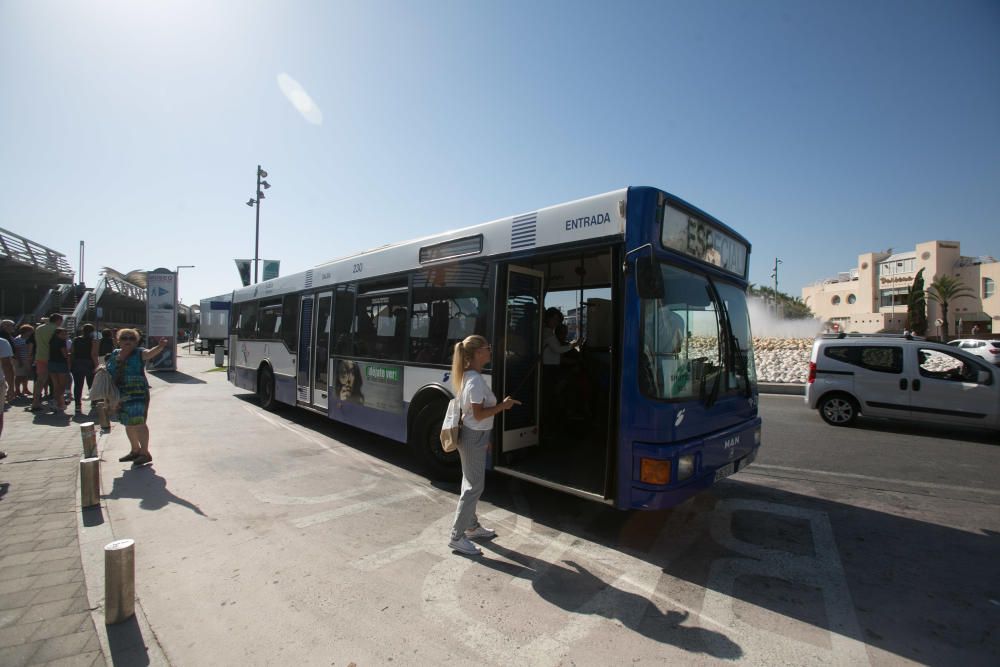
<point>119,581</point>
<point>90,482</point>
<point>89,437</point>
<point>220,356</point>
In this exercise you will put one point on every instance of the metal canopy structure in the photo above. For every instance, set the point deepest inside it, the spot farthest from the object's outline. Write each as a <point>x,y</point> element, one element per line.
<point>24,262</point>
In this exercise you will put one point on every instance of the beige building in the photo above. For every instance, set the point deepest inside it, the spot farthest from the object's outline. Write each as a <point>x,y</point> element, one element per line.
<point>872,296</point>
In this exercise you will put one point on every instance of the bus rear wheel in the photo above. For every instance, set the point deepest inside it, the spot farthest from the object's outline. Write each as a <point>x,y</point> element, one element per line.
<point>265,389</point>
<point>426,441</point>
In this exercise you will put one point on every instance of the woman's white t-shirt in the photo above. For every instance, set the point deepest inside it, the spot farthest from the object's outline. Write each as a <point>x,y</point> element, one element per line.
<point>475,390</point>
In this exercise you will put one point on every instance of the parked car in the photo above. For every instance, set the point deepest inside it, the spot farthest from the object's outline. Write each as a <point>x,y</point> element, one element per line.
<point>901,377</point>
<point>987,349</point>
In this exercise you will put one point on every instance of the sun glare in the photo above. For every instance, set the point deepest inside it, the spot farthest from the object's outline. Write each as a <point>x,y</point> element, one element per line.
<point>300,99</point>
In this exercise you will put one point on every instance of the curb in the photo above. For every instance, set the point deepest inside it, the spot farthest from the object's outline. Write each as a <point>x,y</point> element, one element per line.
<point>133,641</point>
<point>788,389</point>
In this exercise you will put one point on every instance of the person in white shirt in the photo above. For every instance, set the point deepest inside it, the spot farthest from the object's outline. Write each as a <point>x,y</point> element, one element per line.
<point>479,405</point>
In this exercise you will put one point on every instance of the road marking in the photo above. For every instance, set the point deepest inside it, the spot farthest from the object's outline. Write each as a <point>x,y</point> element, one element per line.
<point>432,539</point>
<point>822,571</point>
<point>356,508</point>
<point>366,484</point>
<point>287,427</point>
<point>869,478</point>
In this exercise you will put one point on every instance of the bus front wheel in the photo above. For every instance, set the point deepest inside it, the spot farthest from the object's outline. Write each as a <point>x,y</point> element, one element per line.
<point>426,440</point>
<point>265,389</point>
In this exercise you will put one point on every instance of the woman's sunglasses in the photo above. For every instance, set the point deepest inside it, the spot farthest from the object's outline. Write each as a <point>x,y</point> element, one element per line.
<point>122,339</point>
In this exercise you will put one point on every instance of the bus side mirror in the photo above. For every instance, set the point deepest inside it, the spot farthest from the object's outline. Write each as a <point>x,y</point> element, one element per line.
<point>648,278</point>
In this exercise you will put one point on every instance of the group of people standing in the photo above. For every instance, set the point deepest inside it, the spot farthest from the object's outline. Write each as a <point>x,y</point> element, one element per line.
<point>47,356</point>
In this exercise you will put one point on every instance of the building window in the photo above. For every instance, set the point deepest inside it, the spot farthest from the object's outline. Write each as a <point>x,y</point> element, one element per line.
<point>898,266</point>
<point>989,288</point>
<point>835,300</point>
<point>851,298</point>
<point>893,298</point>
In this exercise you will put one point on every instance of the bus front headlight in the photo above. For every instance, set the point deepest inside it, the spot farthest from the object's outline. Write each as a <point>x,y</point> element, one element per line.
<point>685,467</point>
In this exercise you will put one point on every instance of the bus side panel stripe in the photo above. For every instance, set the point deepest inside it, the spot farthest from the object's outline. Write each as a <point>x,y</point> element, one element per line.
<point>376,421</point>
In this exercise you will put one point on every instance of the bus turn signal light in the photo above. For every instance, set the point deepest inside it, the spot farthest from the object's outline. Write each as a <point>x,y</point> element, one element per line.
<point>654,471</point>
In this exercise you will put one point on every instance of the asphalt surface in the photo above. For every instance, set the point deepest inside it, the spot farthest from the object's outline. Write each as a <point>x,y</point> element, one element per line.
<point>285,538</point>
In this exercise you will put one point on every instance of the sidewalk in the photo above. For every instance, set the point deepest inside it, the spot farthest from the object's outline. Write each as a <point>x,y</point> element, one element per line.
<point>45,616</point>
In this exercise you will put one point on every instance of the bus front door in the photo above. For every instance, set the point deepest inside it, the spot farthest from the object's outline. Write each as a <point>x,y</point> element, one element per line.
<point>521,356</point>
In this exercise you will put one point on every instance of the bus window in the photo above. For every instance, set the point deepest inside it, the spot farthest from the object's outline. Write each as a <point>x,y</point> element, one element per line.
<point>343,321</point>
<point>269,319</point>
<point>247,325</point>
<point>449,303</point>
<point>741,372</point>
<point>381,315</point>
<point>290,321</point>
<point>680,343</point>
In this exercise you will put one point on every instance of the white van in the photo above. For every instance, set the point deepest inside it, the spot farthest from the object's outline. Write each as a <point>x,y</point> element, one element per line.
<point>901,377</point>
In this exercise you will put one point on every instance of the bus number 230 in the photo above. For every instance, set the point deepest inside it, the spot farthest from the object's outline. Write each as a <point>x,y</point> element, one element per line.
<point>358,268</point>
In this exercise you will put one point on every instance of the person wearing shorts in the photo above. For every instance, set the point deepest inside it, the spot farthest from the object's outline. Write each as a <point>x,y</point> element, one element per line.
<point>43,337</point>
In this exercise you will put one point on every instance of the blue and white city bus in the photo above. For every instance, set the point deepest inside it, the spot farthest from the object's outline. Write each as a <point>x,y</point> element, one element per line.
<point>658,404</point>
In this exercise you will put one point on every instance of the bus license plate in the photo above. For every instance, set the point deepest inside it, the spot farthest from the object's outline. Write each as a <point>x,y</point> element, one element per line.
<point>725,471</point>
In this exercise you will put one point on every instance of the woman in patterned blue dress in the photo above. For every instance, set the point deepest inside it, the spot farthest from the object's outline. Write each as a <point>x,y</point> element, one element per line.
<point>126,366</point>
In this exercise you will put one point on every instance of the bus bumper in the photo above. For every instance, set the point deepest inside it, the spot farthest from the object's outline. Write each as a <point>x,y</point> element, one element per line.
<point>710,466</point>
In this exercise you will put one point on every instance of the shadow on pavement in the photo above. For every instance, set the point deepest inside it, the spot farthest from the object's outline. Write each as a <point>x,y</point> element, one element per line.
<point>128,648</point>
<point>177,377</point>
<point>576,590</point>
<point>926,592</point>
<point>92,516</point>
<point>144,484</point>
<point>917,589</point>
<point>46,418</point>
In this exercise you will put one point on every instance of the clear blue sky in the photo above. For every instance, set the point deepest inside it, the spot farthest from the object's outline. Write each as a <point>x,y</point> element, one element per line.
<point>818,130</point>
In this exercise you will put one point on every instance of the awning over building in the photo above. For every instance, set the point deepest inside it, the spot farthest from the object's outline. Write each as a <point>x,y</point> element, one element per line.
<point>26,263</point>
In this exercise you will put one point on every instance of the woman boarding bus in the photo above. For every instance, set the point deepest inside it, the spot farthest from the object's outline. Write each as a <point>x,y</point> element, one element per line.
<point>663,401</point>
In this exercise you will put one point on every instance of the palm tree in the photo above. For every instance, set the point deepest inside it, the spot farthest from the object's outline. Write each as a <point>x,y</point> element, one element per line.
<point>944,290</point>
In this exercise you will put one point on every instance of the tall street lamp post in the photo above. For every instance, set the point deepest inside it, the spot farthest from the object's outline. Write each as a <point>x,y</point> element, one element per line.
<point>774,274</point>
<point>256,202</point>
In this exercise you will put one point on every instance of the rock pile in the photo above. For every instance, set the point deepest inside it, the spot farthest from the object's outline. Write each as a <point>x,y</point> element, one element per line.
<point>782,359</point>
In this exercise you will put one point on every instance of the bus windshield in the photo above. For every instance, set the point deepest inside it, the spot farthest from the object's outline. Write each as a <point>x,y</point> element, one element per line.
<point>695,341</point>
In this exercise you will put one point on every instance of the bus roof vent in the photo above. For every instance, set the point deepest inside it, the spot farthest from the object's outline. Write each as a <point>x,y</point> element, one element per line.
<point>309,279</point>
<point>469,245</point>
<point>522,231</point>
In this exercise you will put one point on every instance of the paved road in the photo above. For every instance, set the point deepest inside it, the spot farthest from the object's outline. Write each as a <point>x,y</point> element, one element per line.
<point>285,538</point>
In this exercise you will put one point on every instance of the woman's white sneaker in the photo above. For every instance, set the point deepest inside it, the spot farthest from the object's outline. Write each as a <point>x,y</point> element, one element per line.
<point>464,546</point>
<point>480,533</point>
